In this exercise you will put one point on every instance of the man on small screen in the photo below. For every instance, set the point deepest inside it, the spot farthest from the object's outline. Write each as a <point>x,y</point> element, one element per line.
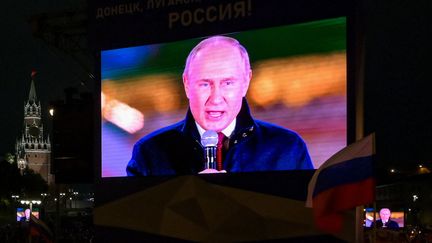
<point>216,79</point>
<point>27,214</point>
<point>385,221</point>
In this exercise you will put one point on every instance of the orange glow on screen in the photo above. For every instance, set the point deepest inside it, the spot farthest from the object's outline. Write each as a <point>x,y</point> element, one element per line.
<point>122,115</point>
<point>299,80</point>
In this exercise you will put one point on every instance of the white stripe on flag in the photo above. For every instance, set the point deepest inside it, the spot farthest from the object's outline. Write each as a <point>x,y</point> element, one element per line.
<point>361,148</point>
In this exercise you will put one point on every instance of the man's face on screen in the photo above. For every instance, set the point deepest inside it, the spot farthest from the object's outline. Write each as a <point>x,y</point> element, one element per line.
<point>385,214</point>
<point>215,85</point>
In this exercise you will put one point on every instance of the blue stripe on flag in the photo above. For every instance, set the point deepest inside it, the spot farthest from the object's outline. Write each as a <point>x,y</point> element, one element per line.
<point>347,172</point>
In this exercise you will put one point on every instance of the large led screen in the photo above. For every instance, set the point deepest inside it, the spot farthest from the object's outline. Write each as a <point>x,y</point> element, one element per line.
<point>299,82</point>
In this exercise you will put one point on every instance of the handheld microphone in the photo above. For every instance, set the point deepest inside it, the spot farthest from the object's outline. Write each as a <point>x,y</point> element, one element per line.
<point>209,140</point>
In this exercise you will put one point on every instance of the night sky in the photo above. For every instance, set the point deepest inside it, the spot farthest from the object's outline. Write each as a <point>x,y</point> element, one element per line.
<point>20,53</point>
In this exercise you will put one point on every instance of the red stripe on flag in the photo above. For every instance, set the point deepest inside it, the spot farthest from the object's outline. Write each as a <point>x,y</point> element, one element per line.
<point>330,205</point>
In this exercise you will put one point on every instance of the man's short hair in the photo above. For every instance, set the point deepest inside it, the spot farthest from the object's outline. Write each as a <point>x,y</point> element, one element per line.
<point>214,40</point>
<point>385,209</point>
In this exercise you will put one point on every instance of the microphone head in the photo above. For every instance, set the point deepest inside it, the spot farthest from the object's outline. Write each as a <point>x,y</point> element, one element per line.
<point>209,138</point>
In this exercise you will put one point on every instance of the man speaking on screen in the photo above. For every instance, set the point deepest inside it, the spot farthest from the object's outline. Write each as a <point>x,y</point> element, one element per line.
<point>216,79</point>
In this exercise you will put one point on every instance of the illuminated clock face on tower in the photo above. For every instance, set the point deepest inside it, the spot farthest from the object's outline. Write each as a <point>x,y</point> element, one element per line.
<point>34,131</point>
<point>21,163</point>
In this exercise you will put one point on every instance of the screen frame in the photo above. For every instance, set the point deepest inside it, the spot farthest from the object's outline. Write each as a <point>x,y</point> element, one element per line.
<point>354,86</point>
<point>290,184</point>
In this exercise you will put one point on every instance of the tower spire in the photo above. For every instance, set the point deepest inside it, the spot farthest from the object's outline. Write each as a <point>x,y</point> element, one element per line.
<point>32,93</point>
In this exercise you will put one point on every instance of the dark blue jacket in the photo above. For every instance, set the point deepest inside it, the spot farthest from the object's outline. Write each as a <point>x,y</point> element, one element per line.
<point>253,146</point>
<point>390,224</point>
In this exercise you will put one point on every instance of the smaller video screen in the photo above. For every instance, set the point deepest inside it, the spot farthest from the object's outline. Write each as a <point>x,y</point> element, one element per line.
<point>384,218</point>
<point>23,214</point>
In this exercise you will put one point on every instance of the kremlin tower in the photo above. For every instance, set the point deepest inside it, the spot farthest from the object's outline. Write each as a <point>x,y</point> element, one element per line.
<point>33,147</point>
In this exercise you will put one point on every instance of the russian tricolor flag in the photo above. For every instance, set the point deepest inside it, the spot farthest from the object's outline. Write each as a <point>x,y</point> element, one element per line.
<point>341,183</point>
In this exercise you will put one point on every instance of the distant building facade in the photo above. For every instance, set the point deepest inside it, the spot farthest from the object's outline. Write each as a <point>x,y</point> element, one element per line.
<point>33,147</point>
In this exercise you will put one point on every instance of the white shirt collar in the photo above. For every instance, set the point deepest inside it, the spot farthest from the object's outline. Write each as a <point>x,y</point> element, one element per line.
<point>227,131</point>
